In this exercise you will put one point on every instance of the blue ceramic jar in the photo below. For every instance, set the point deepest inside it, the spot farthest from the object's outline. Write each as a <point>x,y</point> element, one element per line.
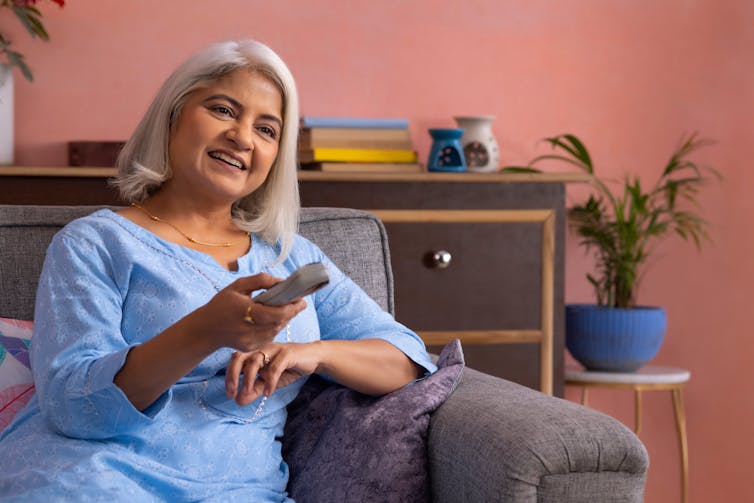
<point>446,153</point>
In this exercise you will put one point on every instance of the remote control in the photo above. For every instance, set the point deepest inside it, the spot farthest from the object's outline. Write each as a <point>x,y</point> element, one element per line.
<point>303,281</point>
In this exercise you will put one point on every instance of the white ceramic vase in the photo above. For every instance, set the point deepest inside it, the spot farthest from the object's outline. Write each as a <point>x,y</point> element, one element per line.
<point>480,147</point>
<point>6,114</point>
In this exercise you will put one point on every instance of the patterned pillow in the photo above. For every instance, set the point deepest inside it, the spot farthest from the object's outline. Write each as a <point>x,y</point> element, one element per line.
<point>341,445</point>
<point>16,383</point>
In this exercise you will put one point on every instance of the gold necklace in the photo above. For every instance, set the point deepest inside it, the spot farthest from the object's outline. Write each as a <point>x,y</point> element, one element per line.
<point>218,245</point>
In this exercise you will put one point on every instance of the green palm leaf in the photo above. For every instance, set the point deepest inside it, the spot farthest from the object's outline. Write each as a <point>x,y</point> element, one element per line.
<point>619,230</point>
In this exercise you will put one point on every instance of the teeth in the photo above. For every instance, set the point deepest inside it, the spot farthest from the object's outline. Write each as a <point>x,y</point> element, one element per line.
<point>227,159</point>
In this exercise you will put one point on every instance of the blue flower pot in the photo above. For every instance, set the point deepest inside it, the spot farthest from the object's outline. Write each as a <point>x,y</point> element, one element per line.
<point>614,339</point>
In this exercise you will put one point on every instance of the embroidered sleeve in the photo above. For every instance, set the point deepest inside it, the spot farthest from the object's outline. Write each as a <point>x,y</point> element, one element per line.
<point>345,311</point>
<point>77,348</point>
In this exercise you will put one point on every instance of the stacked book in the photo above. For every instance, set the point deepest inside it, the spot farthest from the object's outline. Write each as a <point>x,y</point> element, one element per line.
<point>347,144</point>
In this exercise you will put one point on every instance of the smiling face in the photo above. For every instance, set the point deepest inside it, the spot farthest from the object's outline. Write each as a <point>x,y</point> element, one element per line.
<point>226,138</point>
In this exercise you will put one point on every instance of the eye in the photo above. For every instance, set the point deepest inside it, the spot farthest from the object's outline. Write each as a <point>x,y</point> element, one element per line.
<point>268,131</point>
<point>222,110</point>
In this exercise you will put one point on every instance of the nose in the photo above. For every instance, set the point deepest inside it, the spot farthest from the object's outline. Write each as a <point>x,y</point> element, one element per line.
<point>241,135</point>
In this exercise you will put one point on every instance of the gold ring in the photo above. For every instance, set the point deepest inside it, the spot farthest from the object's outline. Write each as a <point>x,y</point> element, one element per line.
<point>267,359</point>
<point>247,317</point>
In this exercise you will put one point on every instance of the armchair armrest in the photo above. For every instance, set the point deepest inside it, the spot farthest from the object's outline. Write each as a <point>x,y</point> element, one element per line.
<point>494,440</point>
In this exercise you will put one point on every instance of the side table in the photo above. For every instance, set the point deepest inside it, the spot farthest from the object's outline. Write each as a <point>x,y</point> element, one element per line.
<point>647,378</point>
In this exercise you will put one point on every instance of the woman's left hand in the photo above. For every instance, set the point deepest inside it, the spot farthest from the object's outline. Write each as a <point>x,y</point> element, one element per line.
<point>271,367</point>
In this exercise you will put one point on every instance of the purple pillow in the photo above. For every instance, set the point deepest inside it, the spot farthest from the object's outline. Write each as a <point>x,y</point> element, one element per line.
<point>341,445</point>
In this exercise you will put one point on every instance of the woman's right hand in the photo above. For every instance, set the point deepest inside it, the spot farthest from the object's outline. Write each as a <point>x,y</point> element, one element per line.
<point>154,366</point>
<point>226,317</point>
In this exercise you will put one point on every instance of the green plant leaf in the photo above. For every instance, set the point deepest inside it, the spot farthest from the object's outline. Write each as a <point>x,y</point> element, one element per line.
<point>16,59</point>
<point>554,157</point>
<point>581,152</point>
<point>619,229</point>
<point>520,169</point>
<point>557,142</point>
<point>30,19</point>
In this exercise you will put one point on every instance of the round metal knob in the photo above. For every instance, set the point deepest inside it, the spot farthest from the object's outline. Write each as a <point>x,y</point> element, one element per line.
<point>440,259</point>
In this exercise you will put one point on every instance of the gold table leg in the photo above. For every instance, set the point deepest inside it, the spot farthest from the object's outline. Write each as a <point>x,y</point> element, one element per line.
<point>680,422</point>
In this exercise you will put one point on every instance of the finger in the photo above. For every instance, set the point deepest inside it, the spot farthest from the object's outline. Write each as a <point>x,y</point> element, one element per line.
<point>232,373</point>
<point>249,284</point>
<point>248,315</point>
<point>250,390</point>
<point>277,315</point>
<point>272,316</point>
<point>273,371</point>
<point>245,393</point>
<point>290,311</point>
<point>260,313</point>
<point>259,388</point>
<point>298,306</point>
<point>292,308</point>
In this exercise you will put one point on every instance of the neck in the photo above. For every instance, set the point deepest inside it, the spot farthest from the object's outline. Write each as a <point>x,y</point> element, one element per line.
<point>200,215</point>
<point>199,225</point>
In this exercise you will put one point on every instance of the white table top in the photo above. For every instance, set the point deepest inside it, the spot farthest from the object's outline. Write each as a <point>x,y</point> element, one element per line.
<point>649,374</point>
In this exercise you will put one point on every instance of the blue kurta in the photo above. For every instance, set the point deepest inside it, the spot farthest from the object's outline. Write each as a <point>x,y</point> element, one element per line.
<point>107,285</point>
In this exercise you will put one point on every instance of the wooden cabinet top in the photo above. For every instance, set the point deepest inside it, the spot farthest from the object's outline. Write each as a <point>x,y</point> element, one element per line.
<point>314,176</point>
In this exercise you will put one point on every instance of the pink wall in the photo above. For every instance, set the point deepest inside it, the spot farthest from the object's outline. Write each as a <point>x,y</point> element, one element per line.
<point>628,77</point>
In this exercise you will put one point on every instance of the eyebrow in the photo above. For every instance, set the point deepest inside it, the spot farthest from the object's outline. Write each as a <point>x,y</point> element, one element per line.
<point>238,104</point>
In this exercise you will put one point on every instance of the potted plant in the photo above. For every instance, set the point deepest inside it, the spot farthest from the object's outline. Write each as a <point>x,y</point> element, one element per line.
<point>621,229</point>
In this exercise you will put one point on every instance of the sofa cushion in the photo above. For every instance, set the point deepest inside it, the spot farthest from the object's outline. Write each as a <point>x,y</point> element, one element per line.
<point>341,445</point>
<point>16,382</point>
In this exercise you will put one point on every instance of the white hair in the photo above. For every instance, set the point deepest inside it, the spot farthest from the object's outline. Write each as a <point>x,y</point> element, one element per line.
<point>143,164</point>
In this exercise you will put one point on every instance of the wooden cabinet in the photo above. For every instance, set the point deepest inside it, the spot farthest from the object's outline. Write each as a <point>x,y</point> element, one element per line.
<point>502,290</point>
<point>57,186</point>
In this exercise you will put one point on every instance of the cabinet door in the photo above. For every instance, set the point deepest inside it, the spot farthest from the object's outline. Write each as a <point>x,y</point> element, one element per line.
<point>493,288</point>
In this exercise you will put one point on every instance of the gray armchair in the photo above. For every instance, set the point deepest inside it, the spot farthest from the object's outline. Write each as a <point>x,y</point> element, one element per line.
<point>492,440</point>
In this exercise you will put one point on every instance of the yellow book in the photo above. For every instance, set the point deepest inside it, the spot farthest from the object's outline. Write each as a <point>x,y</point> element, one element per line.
<point>363,167</point>
<point>356,155</point>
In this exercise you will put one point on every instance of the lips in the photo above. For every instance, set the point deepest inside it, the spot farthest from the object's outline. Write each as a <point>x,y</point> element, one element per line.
<point>229,159</point>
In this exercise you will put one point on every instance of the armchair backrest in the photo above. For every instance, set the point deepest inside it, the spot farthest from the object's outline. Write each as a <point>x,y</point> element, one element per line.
<point>355,240</point>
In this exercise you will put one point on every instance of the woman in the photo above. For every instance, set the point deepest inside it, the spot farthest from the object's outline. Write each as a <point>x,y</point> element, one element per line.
<point>157,377</point>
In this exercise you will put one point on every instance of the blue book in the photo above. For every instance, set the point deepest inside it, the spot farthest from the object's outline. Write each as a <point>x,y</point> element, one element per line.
<point>353,122</point>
